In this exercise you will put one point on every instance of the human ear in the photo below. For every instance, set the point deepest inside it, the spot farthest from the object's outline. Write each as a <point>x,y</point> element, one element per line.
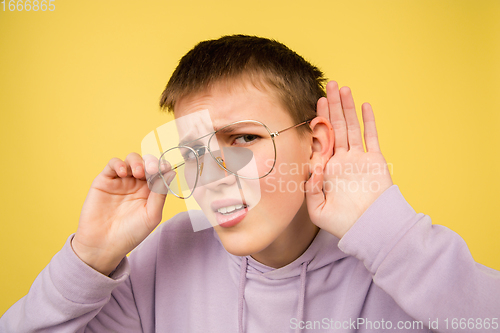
<point>321,143</point>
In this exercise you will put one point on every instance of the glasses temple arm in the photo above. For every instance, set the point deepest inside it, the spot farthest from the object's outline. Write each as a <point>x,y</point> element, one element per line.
<point>286,129</point>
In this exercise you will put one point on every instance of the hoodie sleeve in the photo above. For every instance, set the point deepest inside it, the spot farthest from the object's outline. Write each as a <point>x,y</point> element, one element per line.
<point>427,269</point>
<point>70,296</point>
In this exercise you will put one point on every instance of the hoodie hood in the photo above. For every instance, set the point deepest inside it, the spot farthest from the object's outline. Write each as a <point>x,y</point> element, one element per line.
<point>323,251</point>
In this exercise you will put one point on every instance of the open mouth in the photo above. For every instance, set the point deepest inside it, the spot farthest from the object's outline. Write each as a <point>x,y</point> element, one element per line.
<point>231,209</point>
<point>229,216</point>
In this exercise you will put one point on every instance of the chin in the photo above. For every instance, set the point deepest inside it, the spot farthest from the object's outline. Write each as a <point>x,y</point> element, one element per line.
<point>240,244</point>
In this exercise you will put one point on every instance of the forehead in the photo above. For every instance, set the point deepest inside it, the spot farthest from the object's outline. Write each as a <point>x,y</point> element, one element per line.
<point>234,101</point>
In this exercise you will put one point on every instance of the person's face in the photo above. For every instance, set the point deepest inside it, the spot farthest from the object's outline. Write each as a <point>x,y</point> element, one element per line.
<point>281,192</point>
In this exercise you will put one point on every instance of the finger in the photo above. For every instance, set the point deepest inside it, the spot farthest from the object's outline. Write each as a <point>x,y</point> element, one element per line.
<point>315,197</point>
<point>135,165</point>
<point>115,168</point>
<point>165,166</point>
<point>169,176</point>
<point>336,116</point>
<point>150,164</point>
<point>371,136</point>
<point>154,206</point>
<point>353,130</point>
<point>322,108</point>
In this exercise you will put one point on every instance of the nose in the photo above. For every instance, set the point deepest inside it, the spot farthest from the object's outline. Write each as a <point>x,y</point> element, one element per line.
<point>212,175</point>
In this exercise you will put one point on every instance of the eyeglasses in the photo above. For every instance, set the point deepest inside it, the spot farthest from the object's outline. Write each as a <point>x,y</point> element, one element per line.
<point>245,149</point>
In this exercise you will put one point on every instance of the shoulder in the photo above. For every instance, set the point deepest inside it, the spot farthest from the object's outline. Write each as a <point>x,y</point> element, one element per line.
<point>186,230</point>
<point>175,252</point>
<point>185,222</point>
<point>176,237</point>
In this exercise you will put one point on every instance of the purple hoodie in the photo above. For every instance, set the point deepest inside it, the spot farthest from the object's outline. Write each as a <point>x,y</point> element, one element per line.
<point>393,271</point>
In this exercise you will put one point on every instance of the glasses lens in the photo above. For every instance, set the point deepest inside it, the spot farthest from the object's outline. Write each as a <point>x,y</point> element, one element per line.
<point>179,167</point>
<point>244,148</point>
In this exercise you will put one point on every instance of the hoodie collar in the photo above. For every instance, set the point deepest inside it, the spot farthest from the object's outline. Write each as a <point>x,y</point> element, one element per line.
<point>322,251</point>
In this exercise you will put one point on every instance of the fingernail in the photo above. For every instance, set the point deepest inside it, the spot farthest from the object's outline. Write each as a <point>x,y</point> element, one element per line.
<point>122,170</point>
<point>137,169</point>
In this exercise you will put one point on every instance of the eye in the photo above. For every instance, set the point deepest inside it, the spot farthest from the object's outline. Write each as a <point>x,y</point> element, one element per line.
<point>200,150</point>
<point>189,154</point>
<point>246,138</point>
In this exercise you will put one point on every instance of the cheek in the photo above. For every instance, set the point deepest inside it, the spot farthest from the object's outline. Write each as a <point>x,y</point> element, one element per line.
<point>286,182</point>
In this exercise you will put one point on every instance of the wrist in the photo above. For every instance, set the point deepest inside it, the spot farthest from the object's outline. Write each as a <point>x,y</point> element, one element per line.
<point>95,258</point>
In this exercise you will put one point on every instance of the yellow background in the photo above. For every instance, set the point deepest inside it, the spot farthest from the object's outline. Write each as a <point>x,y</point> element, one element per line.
<point>81,85</point>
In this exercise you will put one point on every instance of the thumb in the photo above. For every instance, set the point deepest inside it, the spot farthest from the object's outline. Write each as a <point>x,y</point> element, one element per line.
<point>154,206</point>
<point>315,198</point>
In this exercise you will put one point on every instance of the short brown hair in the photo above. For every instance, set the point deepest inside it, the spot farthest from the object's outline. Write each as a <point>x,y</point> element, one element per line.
<point>298,84</point>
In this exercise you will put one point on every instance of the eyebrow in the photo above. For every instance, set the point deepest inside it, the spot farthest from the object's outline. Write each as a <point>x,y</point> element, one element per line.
<point>189,140</point>
<point>222,129</point>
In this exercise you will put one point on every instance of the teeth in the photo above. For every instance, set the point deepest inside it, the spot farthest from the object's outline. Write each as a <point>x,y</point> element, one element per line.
<point>229,209</point>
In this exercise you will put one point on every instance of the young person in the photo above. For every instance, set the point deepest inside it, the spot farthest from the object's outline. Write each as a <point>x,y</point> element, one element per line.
<point>341,251</point>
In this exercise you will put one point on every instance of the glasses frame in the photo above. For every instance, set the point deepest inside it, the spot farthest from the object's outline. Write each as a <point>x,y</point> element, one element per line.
<point>273,135</point>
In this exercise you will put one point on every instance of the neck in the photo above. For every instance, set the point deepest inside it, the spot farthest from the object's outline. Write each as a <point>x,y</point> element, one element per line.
<point>290,244</point>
